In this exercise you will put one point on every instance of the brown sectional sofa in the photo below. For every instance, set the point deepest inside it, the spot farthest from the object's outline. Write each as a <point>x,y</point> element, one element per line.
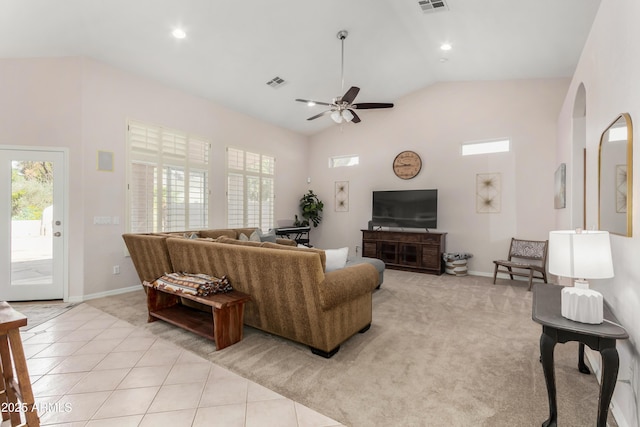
<point>291,294</point>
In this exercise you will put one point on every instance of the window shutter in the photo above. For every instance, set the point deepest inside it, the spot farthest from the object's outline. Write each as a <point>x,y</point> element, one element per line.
<point>250,189</point>
<point>168,179</point>
<point>141,197</point>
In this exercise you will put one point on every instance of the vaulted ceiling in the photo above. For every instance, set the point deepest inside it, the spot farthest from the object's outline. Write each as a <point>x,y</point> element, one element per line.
<point>233,48</point>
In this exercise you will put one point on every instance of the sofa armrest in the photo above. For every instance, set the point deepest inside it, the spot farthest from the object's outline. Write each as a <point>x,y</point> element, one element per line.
<point>347,284</point>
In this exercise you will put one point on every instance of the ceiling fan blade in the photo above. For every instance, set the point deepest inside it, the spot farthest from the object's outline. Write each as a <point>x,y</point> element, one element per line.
<point>371,105</point>
<point>319,115</point>
<point>306,101</point>
<point>355,119</point>
<point>350,95</point>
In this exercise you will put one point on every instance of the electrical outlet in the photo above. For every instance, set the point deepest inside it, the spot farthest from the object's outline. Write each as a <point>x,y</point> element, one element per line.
<point>116,269</point>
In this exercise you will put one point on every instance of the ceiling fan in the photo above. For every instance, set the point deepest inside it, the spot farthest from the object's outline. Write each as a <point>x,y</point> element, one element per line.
<point>342,107</point>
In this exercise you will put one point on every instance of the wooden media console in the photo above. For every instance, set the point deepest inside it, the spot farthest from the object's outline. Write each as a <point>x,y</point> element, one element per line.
<point>401,250</point>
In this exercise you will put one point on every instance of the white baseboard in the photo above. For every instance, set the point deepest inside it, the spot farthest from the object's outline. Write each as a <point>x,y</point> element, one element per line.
<point>83,298</point>
<point>490,274</point>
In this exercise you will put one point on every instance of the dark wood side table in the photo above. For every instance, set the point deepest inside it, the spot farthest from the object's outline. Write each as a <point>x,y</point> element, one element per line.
<point>557,329</point>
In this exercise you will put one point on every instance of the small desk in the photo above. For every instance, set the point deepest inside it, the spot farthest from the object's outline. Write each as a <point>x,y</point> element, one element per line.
<point>557,329</point>
<point>298,232</point>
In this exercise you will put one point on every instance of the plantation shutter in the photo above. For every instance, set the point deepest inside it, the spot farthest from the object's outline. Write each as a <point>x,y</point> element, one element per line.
<point>168,179</point>
<point>250,189</point>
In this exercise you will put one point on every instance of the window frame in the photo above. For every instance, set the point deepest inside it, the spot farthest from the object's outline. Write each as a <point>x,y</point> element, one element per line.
<point>486,142</point>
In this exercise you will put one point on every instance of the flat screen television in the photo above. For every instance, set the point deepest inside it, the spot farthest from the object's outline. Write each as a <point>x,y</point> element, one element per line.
<point>405,208</point>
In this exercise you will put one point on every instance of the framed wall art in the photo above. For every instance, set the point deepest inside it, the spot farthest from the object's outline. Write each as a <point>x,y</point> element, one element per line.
<point>342,196</point>
<point>488,193</point>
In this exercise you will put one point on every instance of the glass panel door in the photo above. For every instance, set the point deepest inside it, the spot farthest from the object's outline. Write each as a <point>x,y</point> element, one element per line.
<point>31,225</point>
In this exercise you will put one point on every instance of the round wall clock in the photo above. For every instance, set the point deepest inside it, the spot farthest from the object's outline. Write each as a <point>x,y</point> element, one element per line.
<point>407,164</point>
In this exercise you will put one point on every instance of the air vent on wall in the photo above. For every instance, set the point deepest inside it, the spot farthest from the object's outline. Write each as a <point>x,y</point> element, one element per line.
<point>430,6</point>
<point>276,82</point>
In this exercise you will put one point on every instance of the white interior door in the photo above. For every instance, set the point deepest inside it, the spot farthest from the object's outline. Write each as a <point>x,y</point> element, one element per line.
<point>32,229</point>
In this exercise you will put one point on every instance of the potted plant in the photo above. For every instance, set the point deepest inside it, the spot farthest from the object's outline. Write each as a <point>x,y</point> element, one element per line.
<point>311,208</point>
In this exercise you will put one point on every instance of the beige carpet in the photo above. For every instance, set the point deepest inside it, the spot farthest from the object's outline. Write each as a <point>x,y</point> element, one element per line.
<point>442,351</point>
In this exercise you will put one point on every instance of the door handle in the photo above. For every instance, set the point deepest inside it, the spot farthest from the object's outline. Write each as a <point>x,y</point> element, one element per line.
<point>57,234</point>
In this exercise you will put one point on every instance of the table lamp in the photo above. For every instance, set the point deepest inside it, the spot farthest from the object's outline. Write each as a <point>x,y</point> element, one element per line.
<point>581,255</point>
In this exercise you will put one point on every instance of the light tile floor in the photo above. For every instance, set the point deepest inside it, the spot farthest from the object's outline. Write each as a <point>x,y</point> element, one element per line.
<point>91,369</point>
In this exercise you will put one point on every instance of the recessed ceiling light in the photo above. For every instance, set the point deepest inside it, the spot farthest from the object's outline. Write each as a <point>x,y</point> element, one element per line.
<point>179,33</point>
<point>445,46</point>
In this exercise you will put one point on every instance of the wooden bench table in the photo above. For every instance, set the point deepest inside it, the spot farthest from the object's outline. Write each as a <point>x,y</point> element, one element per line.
<point>223,325</point>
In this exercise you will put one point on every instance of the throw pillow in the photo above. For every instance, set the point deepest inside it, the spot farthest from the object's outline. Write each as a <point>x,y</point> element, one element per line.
<point>255,237</point>
<point>267,237</point>
<point>303,246</point>
<point>243,237</point>
<point>336,258</point>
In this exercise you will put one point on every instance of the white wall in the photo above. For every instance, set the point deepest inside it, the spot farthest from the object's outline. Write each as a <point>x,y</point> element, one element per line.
<point>84,105</point>
<point>41,106</point>
<point>434,122</point>
<point>609,68</point>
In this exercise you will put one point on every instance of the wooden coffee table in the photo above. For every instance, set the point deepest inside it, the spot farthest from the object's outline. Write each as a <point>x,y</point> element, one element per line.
<point>223,325</point>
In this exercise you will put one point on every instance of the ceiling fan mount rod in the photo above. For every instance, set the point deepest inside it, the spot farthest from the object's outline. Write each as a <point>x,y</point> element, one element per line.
<point>342,34</point>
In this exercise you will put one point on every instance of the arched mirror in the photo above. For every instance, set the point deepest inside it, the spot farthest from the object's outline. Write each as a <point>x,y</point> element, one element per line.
<point>615,167</point>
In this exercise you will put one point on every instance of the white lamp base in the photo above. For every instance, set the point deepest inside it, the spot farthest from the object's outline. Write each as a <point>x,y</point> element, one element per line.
<point>582,304</point>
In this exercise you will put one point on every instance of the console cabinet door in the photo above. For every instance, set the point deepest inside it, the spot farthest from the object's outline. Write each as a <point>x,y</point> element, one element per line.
<point>430,257</point>
<point>388,252</point>
<point>370,249</point>
<point>409,254</point>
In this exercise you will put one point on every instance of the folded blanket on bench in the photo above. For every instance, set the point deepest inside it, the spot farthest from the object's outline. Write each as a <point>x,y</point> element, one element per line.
<point>192,284</point>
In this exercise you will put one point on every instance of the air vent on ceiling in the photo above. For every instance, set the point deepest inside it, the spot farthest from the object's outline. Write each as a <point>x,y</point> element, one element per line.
<point>276,82</point>
<point>430,6</point>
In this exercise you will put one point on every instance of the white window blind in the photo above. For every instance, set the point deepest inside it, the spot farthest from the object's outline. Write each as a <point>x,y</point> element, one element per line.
<point>168,179</point>
<point>250,189</point>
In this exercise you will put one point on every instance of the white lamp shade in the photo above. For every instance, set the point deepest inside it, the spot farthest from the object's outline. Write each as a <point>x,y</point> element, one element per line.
<point>584,255</point>
<point>336,116</point>
<point>348,115</point>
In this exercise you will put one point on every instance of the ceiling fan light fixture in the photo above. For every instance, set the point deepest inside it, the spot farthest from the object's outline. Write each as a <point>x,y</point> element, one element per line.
<point>179,33</point>
<point>347,115</point>
<point>336,116</point>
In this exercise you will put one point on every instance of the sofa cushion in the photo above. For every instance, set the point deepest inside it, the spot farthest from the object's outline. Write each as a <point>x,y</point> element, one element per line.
<point>336,258</point>
<point>323,256</point>
<point>227,240</point>
<point>269,236</point>
<point>214,234</point>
